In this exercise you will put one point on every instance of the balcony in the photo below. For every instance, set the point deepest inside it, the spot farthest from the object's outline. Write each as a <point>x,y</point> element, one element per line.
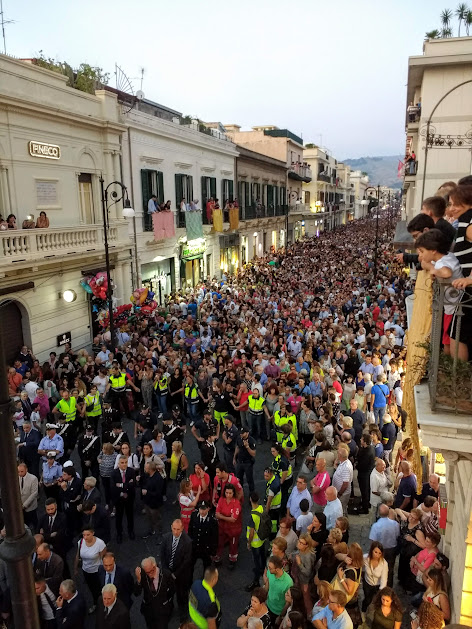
<point>324,177</point>
<point>300,208</point>
<point>252,212</point>
<point>300,172</point>
<point>37,245</point>
<point>411,168</point>
<point>450,379</point>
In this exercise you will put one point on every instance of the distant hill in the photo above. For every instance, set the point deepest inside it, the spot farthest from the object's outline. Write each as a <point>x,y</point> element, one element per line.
<point>381,170</point>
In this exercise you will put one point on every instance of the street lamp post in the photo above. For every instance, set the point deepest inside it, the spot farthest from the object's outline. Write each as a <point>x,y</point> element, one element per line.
<point>127,212</point>
<point>376,246</point>
<point>18,546</point>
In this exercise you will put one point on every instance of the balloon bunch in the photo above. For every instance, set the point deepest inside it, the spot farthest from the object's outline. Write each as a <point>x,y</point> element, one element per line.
<point>121,316</point>
<point>96,285</point>
<point>144,303</point>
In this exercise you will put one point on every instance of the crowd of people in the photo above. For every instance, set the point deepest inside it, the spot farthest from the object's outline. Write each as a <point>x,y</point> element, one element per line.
<point>42,222</point>
<point>287,379</point>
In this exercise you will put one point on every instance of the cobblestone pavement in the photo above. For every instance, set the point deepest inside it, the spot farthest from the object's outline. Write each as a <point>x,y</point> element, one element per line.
<point>230,588</point>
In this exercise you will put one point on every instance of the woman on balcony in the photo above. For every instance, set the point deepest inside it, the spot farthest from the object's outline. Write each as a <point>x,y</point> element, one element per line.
<point>42,221</point>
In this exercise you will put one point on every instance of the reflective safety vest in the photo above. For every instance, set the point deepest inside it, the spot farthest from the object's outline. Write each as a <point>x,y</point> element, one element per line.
<point>274,485</point>
<point>68,408</point>
<point>278,471</point>
<point>256,405</point>
<point>191,393</point>
<point>162,385</point>
<point>289,443</point>
<point>118,383</point>
<point>279,421</point>
<point>198,599</point>
<point>256,516</point>
<point>97,407</point>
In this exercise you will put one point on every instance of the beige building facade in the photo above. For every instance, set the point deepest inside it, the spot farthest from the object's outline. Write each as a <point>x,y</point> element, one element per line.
<point>443,67</point>
<point>55,143</point>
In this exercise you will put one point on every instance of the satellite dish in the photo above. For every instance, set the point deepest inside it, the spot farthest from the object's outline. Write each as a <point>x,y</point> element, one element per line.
<point>139,95</point>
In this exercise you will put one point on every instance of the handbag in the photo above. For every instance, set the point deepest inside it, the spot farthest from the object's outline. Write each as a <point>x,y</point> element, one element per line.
<point>400,435</point>
<point>337,585</point>
<point>79,562</point>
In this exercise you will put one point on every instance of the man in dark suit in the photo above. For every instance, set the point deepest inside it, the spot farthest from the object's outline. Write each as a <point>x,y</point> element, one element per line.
<point>203,531</point>
<point>90,491</point>
<point>70,493</point>
<point>88,449</point>
<point>176,557</point>
<point>49,566</point>
<point>46,600</point>
<point>71,607</point>
<point>109,572</point>
<point>28,448</point>
<point>111,612</point>
<point>123,484</point>
<point>97,518</point>
<point>53,527</point>
<point>158,590</point>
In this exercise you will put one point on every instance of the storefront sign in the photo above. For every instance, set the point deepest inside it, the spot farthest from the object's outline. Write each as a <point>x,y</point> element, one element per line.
<point>191,252</point>
<point>62,339</point>
<point>47,151</point>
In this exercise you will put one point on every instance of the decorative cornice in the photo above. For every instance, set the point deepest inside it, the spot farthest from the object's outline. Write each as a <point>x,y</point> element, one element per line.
<point>208,169</point>
<point>152,160</point>
<point>183,165</point>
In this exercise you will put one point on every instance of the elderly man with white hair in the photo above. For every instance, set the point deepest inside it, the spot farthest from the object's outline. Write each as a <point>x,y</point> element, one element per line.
<point>379,482</point>
<point>158,590</point>
<point>111,612</point>
<point>333,509</point>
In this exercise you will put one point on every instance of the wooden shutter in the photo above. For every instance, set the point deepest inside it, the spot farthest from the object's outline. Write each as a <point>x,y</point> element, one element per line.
<point>247,199</point>
<point>276,195</point>
<point>190,188</point>
<point>230,189</point>
<point>160,187</point>
<point>145,189</point>
<point>213,187</point>
<point>204,192</point>
<point>178,190</point>
<point>270,195</point>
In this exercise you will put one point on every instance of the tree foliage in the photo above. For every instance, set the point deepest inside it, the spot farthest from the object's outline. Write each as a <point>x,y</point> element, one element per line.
<point>85,78</point>
<point>464,17</point>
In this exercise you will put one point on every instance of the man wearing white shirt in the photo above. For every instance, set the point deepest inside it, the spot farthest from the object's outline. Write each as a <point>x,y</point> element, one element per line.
<point>379,482</point>
<point>152,204</point>
<point>342,477</point>
<point>298,494</point>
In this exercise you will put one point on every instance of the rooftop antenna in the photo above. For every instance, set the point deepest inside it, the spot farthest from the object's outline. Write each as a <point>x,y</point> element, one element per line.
<point>3,21</point>
<point>142,79</point>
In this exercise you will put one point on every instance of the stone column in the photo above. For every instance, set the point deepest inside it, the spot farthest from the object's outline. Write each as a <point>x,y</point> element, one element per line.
<point>5,207</point>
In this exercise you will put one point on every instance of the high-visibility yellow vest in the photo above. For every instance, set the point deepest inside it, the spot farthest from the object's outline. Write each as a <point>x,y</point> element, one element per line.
<point>256,405</point>
<point>68,408</point>
<point>162,385</point>
<point>279,421</point>
<point>277,499</point>
<point>118,383</point>
<point>195,615</point>
<point>191,393</point>
<point>289,443</point>
<point>97,407</point>
<point>277,470</point>
<point>257,542</point>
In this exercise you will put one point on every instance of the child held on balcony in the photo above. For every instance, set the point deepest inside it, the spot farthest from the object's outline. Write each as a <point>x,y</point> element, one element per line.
<point>433,252</point>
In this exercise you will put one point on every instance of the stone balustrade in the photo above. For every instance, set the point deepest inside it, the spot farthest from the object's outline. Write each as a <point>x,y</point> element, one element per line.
<point>34,244</point>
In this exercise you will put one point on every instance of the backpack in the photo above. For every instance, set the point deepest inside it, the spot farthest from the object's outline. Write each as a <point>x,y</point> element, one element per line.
<point>265,525</point>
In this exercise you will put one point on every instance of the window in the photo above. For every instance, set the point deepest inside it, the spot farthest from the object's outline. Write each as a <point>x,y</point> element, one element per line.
<point>208,192</point>
<point>226,191</point>
<point>87,211</point>
<point>152,183</point>
<point>183,190</point>
<point>283,195</point>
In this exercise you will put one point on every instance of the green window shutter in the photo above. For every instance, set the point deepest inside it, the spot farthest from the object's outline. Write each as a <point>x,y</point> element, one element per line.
<point>240,193</point>
<point>190,188</point>
<point>283,195</point>
<point>160,187</point>
<point>204,192</point>
<point>270,195</point>
<point>213,187</point>
<point>247,194</point>
<point>178,190</point>
<point>276,195</point>
<point>224,192</point>
<point>145,189</point>
<point>231,189</point>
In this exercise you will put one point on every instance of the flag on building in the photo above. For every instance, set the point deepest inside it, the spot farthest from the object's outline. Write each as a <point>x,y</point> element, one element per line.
<point>401,169</point>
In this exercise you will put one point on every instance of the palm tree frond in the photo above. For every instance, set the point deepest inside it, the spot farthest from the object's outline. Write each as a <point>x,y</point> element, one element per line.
<point>468,21</point>
<point>446,16</point>
<point>446,32</point>
<point>432,34</point>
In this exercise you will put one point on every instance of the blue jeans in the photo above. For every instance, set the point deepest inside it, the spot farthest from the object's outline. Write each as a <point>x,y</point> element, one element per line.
<point>256,425</point>
<point>379,412</point>
<point>258,555</point>
<point>162,403</point>
<point>192,411</point>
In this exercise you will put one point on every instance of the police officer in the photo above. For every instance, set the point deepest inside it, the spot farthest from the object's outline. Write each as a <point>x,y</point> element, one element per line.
<point>254,543</point>
<point>244,457</point>
<point>67,431</point>
<point>171,431</point>
<point>93,406</point>
<point>110,416</point>
<point>52,442</point>
<point>203,606</point>
<point>283,469</point>
<point>281,418</point>
<point>257,410</point>
<point>161,388</point>
<point>204,427</point>
<point>192,396</point>
<point>88,449</point>
<point>209,453</point>
<point>116,437</point>
<point>230,436</point>
<point>203,531</point>
<point>116,389</point>
<point>289,443</point>
<point>67,406</point>
<point>273,498</point>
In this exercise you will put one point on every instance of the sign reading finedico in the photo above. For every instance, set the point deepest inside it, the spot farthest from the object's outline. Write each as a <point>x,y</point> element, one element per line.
<point>47,151</point>
<point>190,252</point>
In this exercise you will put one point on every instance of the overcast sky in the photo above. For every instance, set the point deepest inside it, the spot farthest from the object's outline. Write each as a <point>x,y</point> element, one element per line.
<point>319,68</point>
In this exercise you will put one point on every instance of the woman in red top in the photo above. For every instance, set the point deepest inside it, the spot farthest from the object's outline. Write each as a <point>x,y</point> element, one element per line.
<point>201,479</point>
<point>229,516</point>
